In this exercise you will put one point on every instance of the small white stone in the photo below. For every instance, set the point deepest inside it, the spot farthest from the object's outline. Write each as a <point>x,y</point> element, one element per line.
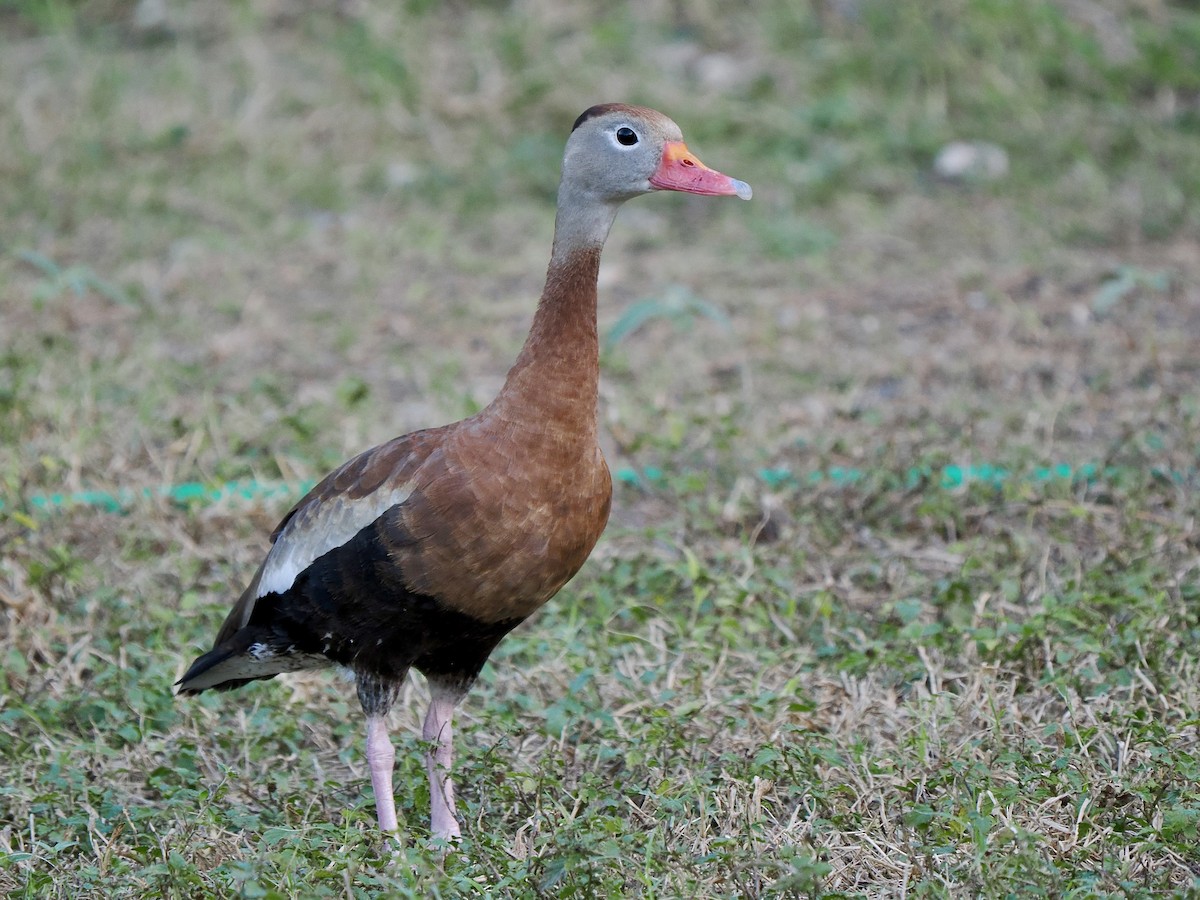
<point>971,161</point>
<point>400,173</point>
<point>151,16</point>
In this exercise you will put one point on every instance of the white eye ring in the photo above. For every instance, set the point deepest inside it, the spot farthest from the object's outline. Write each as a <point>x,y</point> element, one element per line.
<point>626,136</point>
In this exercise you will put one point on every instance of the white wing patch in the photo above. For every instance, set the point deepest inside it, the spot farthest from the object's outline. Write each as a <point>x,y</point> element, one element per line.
<point>311,534</point>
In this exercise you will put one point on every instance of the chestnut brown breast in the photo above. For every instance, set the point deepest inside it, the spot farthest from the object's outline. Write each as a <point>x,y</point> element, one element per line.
<point>495,526</point>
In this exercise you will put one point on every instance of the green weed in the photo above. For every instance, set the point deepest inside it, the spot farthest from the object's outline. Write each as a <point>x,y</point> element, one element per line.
<point>851,632</point>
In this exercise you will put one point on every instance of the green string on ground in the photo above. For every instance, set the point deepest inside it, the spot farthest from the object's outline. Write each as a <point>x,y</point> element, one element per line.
<point>950,477</point>
<point>183,494</point>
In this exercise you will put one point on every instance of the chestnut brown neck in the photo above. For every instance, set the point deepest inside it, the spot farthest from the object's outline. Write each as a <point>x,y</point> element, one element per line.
<point>553,385</point>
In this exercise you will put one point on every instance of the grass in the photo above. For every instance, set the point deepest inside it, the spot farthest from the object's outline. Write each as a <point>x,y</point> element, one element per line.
<point>253,240</point>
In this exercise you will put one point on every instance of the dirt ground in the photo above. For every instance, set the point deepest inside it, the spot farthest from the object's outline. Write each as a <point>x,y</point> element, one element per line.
<point>246,246</point>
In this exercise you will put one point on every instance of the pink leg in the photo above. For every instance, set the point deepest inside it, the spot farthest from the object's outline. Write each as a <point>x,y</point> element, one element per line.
<point>439,732</point>
<point>381,756</point>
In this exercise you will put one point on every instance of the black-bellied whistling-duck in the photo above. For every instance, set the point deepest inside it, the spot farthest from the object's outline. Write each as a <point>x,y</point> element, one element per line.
<point>427,550</point>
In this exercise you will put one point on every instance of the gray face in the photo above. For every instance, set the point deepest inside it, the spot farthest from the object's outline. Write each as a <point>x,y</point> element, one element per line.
<point>611,156</point>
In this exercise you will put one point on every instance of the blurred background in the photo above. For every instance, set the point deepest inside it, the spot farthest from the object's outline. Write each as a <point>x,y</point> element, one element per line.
<point>255,213</point>
<point>916,426</point>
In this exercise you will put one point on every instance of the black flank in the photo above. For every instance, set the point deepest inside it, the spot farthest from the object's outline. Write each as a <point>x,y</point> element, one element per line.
<point>351,606</point>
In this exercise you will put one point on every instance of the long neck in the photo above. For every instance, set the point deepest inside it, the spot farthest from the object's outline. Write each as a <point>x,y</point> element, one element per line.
<point>582,222</point>
<point>554,382</point>
<point>555,379</point>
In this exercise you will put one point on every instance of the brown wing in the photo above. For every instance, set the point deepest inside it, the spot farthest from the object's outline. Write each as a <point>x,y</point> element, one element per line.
<point>346,501</point>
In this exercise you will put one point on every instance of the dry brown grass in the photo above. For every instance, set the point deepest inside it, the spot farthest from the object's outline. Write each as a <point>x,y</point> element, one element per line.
<point>877,688</point>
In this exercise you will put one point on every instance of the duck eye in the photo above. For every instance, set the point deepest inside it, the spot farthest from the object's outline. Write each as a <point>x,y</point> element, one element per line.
<point>626,136</point>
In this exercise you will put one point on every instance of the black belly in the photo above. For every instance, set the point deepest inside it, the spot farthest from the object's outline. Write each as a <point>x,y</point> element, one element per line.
<point>351,606</point>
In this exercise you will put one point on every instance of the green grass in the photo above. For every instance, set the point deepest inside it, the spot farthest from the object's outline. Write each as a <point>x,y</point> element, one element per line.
<point>254,242</point>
